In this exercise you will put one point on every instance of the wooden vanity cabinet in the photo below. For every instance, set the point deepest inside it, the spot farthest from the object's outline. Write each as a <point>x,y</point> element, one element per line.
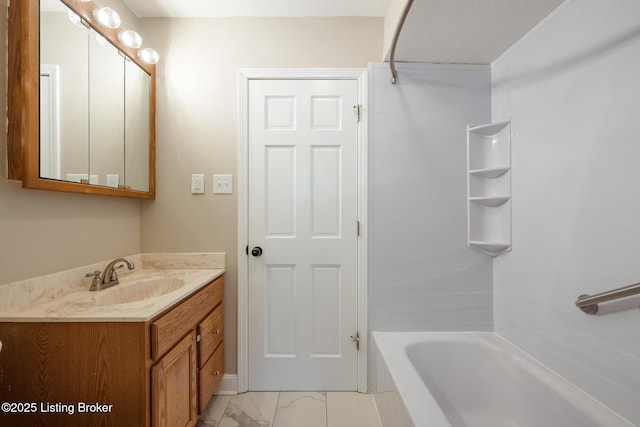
<point>57,365</point>
<point>153,374</point>
<point>183,342</point>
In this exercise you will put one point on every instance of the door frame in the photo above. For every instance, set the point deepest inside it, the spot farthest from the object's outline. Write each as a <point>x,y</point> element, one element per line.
<point>244,77</point>
<point>52,98</point>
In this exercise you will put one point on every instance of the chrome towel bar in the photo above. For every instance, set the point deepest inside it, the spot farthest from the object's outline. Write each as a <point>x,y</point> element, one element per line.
<point>589,303</point>
<point>394,43</point>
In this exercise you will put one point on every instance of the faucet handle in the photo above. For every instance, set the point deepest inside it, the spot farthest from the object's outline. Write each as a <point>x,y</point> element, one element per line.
<point>114,273</point>
<point>122,263</point>
<point>96,277</point>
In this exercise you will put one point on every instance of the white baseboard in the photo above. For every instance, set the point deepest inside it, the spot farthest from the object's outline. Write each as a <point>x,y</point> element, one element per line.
<point>228,385</point>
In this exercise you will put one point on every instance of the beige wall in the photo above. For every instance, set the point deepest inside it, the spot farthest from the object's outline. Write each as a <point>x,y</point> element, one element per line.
<point>43,232</point>
<point>197,101</point>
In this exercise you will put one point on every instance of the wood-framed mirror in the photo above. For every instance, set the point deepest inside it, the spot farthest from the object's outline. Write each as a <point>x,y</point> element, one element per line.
<point>60,138</point>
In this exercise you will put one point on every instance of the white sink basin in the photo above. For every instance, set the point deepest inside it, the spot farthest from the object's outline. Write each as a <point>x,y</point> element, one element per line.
<point>137,291</point>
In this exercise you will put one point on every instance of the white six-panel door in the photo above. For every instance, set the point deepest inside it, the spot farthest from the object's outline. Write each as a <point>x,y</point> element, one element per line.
<point>302,288</point>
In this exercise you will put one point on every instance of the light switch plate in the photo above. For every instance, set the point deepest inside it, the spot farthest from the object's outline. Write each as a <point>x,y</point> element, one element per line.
<point>197,183</point>
<point>222,184</point>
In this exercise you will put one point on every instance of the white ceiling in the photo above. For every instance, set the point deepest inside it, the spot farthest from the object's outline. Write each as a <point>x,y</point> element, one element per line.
<point>226,8</point>
<point>467,31</point>
<point>446,31</point>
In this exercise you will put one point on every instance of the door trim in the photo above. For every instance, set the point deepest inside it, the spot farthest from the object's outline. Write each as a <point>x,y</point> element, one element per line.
<point>52,72</point>
<point>244,77</point>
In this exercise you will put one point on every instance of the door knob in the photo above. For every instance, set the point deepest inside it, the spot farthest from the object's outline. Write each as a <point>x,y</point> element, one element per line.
<point>256,251</point>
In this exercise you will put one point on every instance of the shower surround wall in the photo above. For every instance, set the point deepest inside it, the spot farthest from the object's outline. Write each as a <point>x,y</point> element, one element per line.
<point>572,91</point>
<point>422,275</point>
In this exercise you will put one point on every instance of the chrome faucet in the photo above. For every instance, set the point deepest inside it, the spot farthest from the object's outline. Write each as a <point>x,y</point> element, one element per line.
<point>109,277</point>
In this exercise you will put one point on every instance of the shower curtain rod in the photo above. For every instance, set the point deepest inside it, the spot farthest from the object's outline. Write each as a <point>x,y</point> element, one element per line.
<point>394,43</point>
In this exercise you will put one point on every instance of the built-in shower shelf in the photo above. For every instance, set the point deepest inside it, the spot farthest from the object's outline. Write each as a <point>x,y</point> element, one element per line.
<point>489,187</point>
<point>491,248</point>
<point>490,201</point>
<point>489,129</point>
<point>491,172</point>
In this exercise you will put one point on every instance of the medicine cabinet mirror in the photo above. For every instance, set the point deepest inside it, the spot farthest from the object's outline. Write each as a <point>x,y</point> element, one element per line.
<point>81,105</point>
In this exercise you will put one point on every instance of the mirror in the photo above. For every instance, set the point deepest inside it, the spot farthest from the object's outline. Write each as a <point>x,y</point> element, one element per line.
<point>89,125</point>
<point>136,153</point>
<point>64,95</point>
<point>106,113</point>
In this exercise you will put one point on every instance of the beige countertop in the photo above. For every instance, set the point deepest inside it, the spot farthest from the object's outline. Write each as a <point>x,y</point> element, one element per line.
<point>50,302</point>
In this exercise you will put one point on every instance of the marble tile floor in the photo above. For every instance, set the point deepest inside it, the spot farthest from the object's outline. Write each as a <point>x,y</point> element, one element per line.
<point>291,409</point>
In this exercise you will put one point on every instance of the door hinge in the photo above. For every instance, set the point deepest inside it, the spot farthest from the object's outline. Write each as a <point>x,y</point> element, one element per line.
<point>358,110</point>
<point>358,228</point>
<point>356,339</point>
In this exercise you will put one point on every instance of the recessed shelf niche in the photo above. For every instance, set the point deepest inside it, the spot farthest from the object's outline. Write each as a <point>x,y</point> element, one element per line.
<point>489,187</point>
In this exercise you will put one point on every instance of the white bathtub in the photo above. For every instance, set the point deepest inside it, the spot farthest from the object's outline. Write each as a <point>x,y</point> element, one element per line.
<point>474,379</point>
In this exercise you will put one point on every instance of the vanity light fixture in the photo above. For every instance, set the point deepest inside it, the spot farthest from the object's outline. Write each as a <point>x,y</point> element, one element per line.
<point>107,17</point>
<point>130,38</point>
<point>148,55</point>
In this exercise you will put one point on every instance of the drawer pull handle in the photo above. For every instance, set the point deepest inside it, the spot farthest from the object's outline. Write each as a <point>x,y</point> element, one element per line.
<point>216,373</point>
<point>216,331</point>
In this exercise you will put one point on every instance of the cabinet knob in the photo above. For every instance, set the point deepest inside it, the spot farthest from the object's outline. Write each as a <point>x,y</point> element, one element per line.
<point>198,338</point>
<point>216,331</point>
<point>216,373</point>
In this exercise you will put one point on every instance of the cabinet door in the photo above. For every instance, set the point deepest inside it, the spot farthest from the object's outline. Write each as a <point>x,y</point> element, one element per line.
<point>173,383</point>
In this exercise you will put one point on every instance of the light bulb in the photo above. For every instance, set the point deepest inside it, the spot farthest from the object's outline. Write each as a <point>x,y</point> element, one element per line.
<point>130,38</point>
<point>149,56</point>
<point>107,17</point>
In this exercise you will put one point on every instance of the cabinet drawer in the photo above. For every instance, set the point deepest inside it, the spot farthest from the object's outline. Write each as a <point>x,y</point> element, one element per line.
<point>167,330</point>
<point>210,376</point>
<point>211,333</point>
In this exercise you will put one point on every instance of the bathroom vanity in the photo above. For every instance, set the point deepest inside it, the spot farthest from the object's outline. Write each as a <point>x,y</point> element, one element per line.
<point>187,367</point>
<point>154,362</point>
